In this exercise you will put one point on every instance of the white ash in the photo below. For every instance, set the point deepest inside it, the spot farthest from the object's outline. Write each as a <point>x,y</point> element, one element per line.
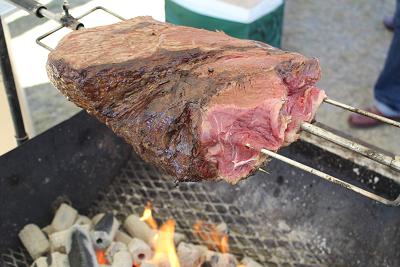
<point>140,229</point>
<point>126,248</point>
<point>64,217</point>
<point>123,237</point>
<point>57,259</point>
<point>82,220</point>
<point>178,238</point>
<point>57,240</point>
<point>104,231</point>
<point>188,255</point>
<point>122,259</point>
<point>222,229</point>
<point>113,249</point>
<point>139,250</point>
<point>47,230</point>
<point>40,262</point>
<point>202,250</point>
<point>34,240</point>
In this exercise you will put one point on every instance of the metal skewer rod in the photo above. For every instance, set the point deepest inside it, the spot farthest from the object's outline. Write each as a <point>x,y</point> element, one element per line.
<point>40,38</point>
<point>332,179</point>
<point>362,112</point>
<point>393,163</point>
<point>261,169</point>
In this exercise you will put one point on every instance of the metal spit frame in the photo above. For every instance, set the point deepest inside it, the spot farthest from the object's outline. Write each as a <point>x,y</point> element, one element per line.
<point>391,162</point>
<point>38,10</point>
<point>11,89</point>
<point>66,20</point>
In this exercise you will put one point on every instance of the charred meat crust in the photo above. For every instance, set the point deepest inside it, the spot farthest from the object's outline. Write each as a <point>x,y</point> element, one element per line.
<point>156,103</point>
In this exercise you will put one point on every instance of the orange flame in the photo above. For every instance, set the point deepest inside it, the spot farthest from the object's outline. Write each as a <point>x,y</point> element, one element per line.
<point>199,227</point>
<point>147,217</point>
<point>164,248</point>
<point>224,244</point>
<point>101,259</point>
<point>211,236</point>
<point>164,243</point>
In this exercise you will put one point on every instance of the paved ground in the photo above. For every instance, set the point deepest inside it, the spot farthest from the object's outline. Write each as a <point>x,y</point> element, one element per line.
<point>351,43</point>
<point>347,37</point>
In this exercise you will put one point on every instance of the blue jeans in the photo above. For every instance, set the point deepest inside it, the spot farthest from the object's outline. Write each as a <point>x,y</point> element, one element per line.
<point>387,88</point>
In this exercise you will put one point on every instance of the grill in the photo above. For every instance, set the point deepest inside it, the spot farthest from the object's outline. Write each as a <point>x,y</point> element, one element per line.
<point>249,234</point>
<point>67,20</point>
<point>287,218</point>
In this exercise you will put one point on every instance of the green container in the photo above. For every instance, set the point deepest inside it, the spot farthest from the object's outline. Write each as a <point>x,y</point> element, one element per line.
<point>265,27</point>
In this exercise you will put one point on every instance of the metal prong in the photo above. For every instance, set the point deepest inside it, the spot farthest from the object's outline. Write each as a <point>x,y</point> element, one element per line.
<point>332,179</point>
<point>65,6</point>
<point>393,163</point>
<point>40,38</point>
<point>260,169</point>
<point>362,112</point>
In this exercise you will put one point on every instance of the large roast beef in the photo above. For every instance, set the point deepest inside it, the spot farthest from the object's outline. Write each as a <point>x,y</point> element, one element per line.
<point>188,100</point>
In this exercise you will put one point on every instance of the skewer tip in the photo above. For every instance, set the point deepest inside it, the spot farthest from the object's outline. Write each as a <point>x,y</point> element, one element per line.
<point>260,169</point>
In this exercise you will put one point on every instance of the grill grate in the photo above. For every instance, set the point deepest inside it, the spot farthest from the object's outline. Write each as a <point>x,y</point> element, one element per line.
<point>249,234</point>
<point>16,258</point>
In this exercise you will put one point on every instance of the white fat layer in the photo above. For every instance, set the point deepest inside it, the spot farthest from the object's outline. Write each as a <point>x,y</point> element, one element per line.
<point>243,162</point>
<point>219,125</point>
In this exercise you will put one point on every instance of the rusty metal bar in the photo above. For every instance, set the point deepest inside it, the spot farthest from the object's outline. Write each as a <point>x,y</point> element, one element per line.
<point>332,179</point>
<point>30,6</point>
<point>261,169</point>
<point>40,38</point>
<point>393,163</point>
<point>362,112</point>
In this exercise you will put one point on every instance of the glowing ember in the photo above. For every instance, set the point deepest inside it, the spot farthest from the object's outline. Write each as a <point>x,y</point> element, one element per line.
<point>211,235</point>
<point>163,239</point>
<point>147,217</point>
<point>101,259</point>
<point>199,227</point>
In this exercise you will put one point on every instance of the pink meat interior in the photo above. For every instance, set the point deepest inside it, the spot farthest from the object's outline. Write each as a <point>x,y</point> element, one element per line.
<point>265,113</point>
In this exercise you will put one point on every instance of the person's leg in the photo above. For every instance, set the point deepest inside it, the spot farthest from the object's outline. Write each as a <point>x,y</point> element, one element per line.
<point>387,88</point>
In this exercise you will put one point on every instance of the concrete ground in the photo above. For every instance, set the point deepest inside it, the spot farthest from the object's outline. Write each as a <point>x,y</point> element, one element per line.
<point>351,43</point>
<point>347,37</point>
